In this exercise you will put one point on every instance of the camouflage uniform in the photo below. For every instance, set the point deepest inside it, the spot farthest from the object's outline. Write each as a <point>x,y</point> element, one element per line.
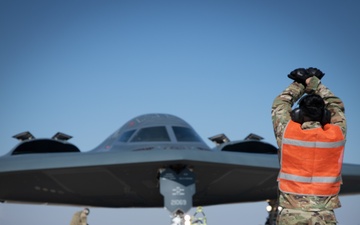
<point>300,209</point>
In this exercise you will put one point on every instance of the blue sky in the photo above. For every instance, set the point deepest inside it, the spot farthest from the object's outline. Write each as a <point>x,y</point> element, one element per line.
<point>86,67</point>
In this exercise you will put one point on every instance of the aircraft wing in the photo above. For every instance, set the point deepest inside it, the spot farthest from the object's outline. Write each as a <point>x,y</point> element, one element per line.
<point>131,179</point>
<point>141,163</point>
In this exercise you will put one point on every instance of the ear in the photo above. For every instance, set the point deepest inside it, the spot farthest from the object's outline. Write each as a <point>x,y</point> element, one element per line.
<point>296,115</point>
<point>326,117</point>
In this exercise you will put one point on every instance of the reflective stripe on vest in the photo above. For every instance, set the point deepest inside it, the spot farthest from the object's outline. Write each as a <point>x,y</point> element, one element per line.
<point>314,144</point>
<point>309,179</point>
<point>311,160</point>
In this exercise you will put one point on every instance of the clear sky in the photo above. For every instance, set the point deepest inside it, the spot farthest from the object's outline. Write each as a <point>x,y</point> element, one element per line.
<point>85,67</point>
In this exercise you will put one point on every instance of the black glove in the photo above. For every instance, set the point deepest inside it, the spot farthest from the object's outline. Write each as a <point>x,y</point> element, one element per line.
<point>299,75</point>
<point>315,72</point>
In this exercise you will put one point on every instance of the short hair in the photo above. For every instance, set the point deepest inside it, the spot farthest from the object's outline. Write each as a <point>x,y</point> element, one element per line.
<point>312,106</point>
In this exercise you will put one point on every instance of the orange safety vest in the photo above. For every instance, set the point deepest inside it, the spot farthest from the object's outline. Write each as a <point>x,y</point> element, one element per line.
<point>311,160</point>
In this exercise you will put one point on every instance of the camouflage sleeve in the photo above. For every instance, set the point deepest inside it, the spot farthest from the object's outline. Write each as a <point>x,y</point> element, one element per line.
<point>335,105</point>
<point>282,107</point>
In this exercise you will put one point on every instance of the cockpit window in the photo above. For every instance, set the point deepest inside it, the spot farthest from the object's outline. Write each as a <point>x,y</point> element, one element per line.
<point>126,135</point>
<point>185,134</point>
<point>151,134</point>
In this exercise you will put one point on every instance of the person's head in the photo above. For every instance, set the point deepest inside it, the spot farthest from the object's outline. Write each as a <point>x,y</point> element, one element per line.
<point>86,211</point>
<point>311,108</point>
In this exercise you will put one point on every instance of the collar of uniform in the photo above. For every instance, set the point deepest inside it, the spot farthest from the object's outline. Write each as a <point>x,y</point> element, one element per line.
<point>310,125</point>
